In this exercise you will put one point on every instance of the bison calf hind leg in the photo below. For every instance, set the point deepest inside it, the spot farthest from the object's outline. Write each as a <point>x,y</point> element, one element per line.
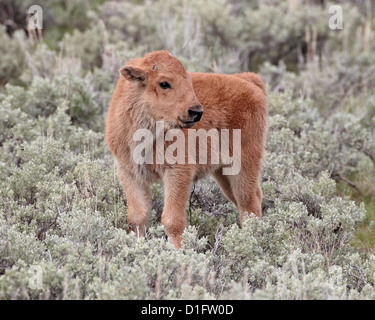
<point>248,194</point>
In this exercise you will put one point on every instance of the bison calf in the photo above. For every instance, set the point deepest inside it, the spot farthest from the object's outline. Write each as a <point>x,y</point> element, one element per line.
<point>156,94</point>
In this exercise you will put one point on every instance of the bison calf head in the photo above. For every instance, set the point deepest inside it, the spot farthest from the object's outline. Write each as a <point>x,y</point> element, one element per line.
<point>161,82</point>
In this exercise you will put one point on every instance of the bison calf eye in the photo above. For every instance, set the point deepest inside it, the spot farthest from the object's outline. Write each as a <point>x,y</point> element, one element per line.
<point>164,85</point>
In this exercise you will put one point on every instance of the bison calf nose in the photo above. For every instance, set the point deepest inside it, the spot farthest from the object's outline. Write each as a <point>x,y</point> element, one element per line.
<point>195,113</point>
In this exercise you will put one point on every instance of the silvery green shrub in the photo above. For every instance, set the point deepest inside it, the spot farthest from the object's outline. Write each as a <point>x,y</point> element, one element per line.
<point>63,209</point>
<point>12,61</point>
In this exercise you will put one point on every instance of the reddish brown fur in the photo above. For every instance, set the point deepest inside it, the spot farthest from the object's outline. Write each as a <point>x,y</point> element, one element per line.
<point>229,102</point>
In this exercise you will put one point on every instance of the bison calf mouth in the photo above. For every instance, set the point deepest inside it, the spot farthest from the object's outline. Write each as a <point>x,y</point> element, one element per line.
<point>187,124</point>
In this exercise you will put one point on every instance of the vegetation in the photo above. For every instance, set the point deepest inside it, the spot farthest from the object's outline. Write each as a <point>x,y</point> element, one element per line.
<point>63,209</point>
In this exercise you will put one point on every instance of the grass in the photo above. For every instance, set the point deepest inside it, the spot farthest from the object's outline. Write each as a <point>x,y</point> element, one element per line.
<point>365,235</point>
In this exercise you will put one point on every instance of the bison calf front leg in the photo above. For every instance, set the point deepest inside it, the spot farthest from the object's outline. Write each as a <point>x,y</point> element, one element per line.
<point>177,185</point>
<point>138,200</point>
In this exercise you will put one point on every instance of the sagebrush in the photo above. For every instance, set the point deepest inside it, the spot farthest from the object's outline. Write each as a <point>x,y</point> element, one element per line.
<point>62,207</point>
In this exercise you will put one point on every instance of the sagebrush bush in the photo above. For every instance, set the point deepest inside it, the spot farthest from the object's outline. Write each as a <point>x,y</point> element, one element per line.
<point>12,60</point>
<point>63,209</point>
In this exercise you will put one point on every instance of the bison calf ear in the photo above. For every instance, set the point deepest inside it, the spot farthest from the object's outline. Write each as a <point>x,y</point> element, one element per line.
<point>133,73</point>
